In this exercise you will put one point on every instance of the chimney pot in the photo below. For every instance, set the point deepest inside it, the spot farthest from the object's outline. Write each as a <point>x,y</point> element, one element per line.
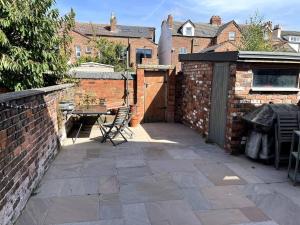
<point>216,20</point>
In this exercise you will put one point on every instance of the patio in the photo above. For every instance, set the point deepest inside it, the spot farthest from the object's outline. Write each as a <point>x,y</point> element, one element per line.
<point>166,175</point>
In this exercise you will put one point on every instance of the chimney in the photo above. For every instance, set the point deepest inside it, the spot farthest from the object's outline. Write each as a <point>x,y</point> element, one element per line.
<point>113,22</point>
<point>170,21</point>
<point>269,25</point>
<point>216,20</point>
<point>277,31</point>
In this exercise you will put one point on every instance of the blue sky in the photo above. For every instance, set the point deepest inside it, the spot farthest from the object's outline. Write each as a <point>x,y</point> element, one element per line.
<point>151,13</point>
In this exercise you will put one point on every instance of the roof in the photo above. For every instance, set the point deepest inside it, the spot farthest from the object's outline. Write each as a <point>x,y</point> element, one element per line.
<point>290,33</point>
<point>243,56</point>
<point>102,75</point>
<point>94,64</point>
<point>201,29</point>
<point>90,29</point>
<point>215,47</point>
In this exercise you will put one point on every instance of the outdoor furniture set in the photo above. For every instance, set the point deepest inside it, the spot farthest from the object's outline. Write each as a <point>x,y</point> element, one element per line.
<point>119,127</point>
<point>281,121</point>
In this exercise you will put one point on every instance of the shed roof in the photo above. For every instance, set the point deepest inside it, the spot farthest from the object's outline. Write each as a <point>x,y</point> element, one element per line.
<point>102,75</point>
<point>243,56</point>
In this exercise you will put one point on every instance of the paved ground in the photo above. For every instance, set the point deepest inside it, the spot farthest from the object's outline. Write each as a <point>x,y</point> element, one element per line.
<point>167,175</point>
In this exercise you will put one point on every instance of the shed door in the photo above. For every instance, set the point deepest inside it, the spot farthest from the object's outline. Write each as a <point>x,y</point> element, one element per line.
<point>155,96</point>
<point>217,124</point>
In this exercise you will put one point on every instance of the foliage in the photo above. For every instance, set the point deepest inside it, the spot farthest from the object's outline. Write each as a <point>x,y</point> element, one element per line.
<point>110,53</point>
<point>253,35</point>
<point>33,41</point>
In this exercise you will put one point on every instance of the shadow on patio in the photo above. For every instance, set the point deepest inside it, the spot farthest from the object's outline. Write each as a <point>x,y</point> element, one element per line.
<point>166,175</point>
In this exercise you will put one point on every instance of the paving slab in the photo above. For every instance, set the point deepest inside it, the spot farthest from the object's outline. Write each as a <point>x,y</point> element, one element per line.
<point>135,214</point>
<point>220,174</point>
<point>72,209</point>
<point>149,189</point>
<point>226,197</point>
<point>222,217</point>
<point>176,212</point>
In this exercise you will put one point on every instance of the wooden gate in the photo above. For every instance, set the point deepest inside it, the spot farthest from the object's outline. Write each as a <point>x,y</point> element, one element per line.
<point>155,96</point>
<point>218,111</point>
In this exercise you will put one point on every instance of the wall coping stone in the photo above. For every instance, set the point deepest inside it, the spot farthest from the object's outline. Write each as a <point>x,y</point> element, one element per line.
<point>31,92</point>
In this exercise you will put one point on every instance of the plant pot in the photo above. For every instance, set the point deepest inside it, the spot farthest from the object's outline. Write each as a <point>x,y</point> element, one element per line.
<point>134,122</point>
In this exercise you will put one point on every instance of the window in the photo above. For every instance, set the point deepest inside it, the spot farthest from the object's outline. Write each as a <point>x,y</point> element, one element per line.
<point>231,36</point>
<point>294,39</point>
<point>189,31</point>
<point>142,53</point>
<point>182,50</point>
<point>88,50</point>
<point>77,51</point>
<point>275,78</point>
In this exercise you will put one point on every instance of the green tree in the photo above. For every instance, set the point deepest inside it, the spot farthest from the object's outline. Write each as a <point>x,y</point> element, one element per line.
<point>254,35</point>
<point>109,52</point>
<point>34,40</point>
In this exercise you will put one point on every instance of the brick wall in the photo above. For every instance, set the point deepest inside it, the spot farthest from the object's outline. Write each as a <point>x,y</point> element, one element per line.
<point>28,142</point>
<point>112,90</point>
<point>192,44</point>
<point>242,100</point>
<point>196,91</point>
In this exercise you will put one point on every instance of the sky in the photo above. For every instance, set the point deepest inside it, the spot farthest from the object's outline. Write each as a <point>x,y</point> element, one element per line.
<point>153,12</point>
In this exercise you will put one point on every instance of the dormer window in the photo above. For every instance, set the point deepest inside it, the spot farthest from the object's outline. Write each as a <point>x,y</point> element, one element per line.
<point>188,29</point>
<point>231,36</point>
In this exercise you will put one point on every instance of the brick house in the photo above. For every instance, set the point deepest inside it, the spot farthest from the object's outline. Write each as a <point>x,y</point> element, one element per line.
<point>189,37</point>
<point>218,88</point>
<point>139,40</point>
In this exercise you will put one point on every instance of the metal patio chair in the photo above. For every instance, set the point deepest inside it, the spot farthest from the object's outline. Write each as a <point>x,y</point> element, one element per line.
<point>287,122</point>
<point>112,130</point>
<point>294,154</point>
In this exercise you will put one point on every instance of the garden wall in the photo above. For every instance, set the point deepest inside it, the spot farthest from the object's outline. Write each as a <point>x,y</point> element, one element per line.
<point>108,85</point>
<point>29,140</point>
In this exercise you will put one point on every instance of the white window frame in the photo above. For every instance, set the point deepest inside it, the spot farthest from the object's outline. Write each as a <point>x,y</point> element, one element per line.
<point>77,51</point>
<point>182,50</point>
<point>231,36</point>
<point>295,39</point>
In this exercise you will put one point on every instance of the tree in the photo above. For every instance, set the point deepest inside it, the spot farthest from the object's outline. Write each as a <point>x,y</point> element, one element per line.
<point>254,36</point>
<point>33,41</point>
<point>110,53</point>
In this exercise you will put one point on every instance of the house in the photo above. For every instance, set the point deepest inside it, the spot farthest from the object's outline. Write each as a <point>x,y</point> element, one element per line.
<point>190,37</point>
<point>287,40</point>
<point>139,40</point>
<point>218,88</point>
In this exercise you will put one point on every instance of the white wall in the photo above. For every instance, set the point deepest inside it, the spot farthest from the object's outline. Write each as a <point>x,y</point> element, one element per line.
<point>165,45</point>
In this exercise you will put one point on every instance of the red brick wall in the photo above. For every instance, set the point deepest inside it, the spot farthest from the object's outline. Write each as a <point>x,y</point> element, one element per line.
<point>242,100</point>
<point>112,90</point>
<point>196,92</point>
<point>28,142</point>
<point>192,44</point>
<point>224,35</point>
<point>83,42</point>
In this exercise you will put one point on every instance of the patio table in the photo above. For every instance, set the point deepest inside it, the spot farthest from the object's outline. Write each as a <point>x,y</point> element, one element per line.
<point>86,111</point>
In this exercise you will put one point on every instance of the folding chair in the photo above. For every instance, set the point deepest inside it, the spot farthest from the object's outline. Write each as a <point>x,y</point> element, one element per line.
<point>112,130</point>
<point>287,122</point>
